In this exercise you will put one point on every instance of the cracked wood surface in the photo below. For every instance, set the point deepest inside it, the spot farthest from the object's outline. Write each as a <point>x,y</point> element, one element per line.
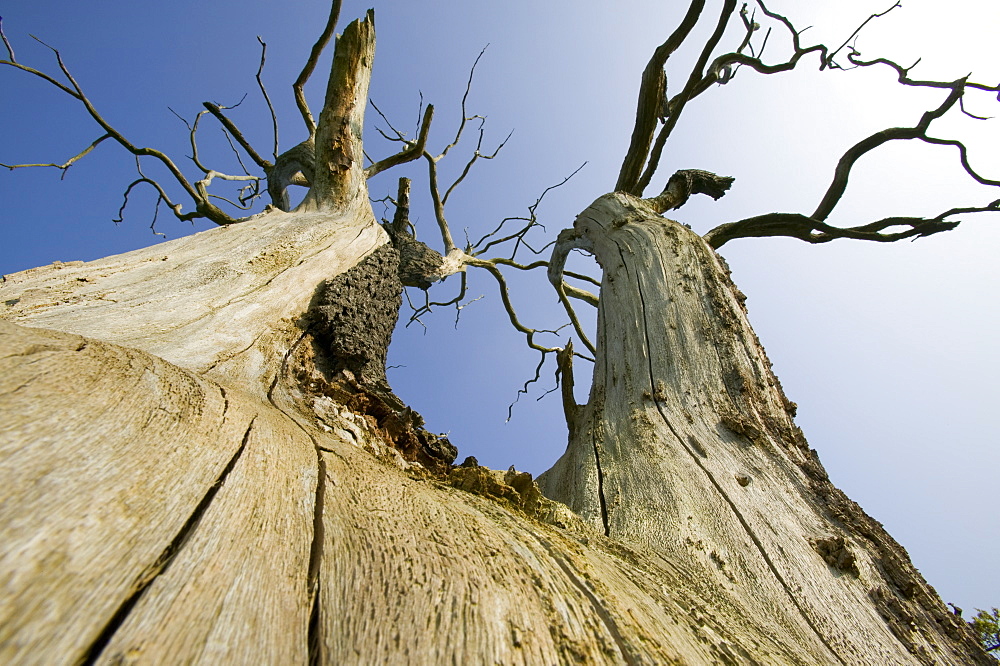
<point>105,452</point>
<point>194,540</point>
<point>687,446</point>
<point>149,511</point>
<point>169,492</point>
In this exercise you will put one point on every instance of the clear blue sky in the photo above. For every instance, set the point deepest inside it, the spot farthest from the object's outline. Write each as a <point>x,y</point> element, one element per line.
<point>889,350</point>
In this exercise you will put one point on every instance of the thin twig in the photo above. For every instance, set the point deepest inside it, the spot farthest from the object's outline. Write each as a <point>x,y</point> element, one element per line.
<point>10,50</point>
<point>65,165</point>
<point>829,58</point>
<point>216,111</point>
<point>465,97</point>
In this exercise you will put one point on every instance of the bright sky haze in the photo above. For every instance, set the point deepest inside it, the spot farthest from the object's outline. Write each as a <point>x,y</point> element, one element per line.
<point>888,349</point>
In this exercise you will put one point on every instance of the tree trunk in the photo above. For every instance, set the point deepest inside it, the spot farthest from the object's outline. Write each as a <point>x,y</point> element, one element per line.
<point>193,471</point>
<point>687,446</point>
<point>165,502</point>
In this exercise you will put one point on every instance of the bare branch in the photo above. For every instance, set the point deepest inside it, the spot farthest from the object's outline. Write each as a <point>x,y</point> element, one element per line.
<point>156,214</point>
<point>236,153</point>
<point>811,230</point>
<point>465,97</point>
<point>10,50</point>
<point>571,313</point>
<point>307,69</point>
<point>524,389</point>
<point>961,105</point>
<point>449,242</point>
<point>203,206</point>
<point>833,54</point>
<point>853,154</point>
<point>571,291</point>
<point>192,135</point>
<point>676,104</point>
<point>723,69</point>
<point>564,375</point>
<point>569,239</point>
<point>65,165</point>
<point>963,157</point>
<point>428,305</point>
<point>476,155</point>
<point>216,111</point>
<point>399,135</point>
<point>401,219</point>
<point>293,167</point>
<point>532,221</point>
<point>413,150</point>
<point>687,182</point>
<point>161,196</point>
<point>529,333</point>
<point>903,74</point>
<point>652,92</point>
<point>267,98</point>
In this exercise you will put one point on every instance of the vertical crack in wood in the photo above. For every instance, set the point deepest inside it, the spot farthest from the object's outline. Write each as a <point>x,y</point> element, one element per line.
<point>163,562</point>
<point>592,423</point>
<point>715,483</point>
<point>316,656</point>
<point>314,638</point>
<point>600,487</point>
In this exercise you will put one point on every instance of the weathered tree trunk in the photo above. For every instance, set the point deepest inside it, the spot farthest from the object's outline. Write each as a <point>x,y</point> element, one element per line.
<point>687,446</point>
<point>189,474</point>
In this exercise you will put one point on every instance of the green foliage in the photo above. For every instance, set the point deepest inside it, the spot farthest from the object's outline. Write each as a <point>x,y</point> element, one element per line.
<point>987,628</point>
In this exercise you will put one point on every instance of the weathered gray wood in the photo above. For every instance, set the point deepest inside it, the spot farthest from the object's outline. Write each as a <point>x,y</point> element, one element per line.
<point>417,573</point>
<point>687,446</point>
<point>223,302</point>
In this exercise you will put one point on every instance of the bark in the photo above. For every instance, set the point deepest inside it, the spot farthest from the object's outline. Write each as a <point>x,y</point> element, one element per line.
<point>198,465</point>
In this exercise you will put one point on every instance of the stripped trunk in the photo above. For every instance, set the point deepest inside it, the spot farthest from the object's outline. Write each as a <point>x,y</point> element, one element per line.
<point>687,446</point>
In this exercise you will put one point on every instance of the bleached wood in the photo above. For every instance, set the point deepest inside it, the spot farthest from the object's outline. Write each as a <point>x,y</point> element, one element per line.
<point>238,591</point>
<point>105,452</point>
<point>221,302</point>
<point>686,445</point>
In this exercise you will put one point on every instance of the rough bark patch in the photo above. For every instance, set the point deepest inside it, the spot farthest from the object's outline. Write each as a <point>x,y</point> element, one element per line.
<point>355,313</point>
<point>352,320</point>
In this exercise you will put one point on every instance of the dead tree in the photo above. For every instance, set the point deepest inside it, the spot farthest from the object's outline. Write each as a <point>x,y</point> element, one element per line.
<point>202,460</point>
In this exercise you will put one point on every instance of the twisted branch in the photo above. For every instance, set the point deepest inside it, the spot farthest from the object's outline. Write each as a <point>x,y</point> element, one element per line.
<point>676,105</point>
<point>267,98</point>
<point>811,230</point>
<point>653,103</point>
<point>652,92</point>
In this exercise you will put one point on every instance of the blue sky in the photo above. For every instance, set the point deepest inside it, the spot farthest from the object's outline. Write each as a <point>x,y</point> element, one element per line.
<point>889,350</point>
